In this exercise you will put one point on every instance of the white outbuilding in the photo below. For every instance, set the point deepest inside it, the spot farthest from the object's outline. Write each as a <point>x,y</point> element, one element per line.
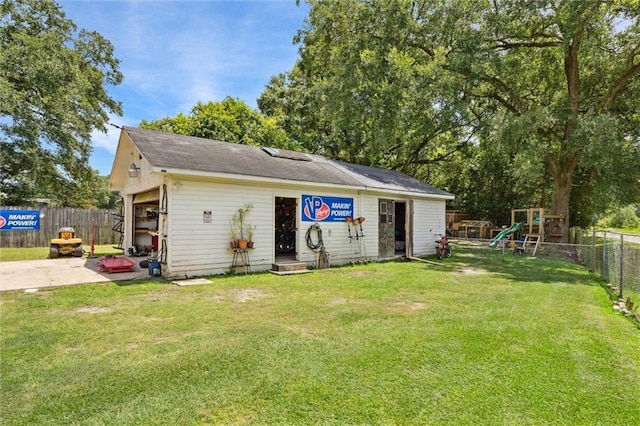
<point>183,197</point>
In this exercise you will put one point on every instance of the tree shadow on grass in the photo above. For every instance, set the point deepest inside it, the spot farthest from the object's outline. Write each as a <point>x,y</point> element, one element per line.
<point>522,267</point>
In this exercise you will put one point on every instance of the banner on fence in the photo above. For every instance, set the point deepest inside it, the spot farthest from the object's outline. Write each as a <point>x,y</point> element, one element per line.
<point>25,220</point>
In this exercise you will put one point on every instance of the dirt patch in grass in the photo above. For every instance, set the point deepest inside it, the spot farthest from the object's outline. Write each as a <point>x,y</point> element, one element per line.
<point>304,331</point>
<point>248,294</point>
<point>359,274</point>
<point>560,252</point>
<point>90,310</point>
<point>415,306</point>
<point>336,302</point>
<point>467,270</point>
<point>409,306</point>
<point>156,296</point>
<point>217,297</point>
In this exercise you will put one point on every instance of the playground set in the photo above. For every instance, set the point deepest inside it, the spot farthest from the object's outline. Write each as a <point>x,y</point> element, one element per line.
<point>529,227</point>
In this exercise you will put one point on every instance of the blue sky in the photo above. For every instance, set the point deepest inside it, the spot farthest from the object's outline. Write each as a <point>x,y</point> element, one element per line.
<point>175,53</point>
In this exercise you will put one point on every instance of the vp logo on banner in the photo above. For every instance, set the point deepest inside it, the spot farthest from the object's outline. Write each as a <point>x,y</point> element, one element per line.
<point>315,208</point>
<point>326,209</point>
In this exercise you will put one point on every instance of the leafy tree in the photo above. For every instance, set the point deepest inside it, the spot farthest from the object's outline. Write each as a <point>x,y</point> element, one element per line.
<point>364,94</point>
<point>408,84</point>
<point>625,217</point>
<point>230,120</point>
<point>489,181</point>
<point>290,100</point>
<point>566,74</point>
<point>52,96</point>
<point>105,199</point>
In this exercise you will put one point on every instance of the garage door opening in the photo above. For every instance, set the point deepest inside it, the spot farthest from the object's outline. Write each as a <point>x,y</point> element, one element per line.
<point>146,219</point>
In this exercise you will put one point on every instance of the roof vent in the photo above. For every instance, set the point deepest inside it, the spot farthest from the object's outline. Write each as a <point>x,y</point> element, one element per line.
<point>271,151</point>
<point>286,154</point>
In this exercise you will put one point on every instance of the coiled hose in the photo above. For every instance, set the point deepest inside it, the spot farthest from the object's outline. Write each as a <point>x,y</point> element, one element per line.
<point>316,247</point>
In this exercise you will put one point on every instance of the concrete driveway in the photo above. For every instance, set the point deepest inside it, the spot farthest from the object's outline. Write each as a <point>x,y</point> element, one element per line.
<point>29,274</point>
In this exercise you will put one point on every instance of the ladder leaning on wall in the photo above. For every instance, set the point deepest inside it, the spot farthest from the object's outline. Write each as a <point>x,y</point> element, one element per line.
<point>358,237</point>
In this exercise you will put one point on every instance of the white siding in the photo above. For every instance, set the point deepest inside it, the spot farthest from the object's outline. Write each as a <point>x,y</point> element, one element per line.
<point>428,224</point>
<point>197,248</point>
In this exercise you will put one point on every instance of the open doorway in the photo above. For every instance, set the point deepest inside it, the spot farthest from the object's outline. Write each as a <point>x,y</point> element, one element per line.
<point>400,229</point>
<point>394,228</point>
<point>285,229</point>
<point>145,223</point>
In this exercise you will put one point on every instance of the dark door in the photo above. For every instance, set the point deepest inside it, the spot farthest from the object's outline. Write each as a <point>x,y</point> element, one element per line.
<point>400,226</point>
<point>285,228</point>
<point>386,229</point>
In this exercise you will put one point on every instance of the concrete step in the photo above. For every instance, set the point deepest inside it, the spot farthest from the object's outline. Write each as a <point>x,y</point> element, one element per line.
<point>289,267</point>
<point>301,271</point>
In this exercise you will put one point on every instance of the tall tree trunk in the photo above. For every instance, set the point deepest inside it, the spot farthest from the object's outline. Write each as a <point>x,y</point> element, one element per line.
<point>564,164</point>
<point>562,173</point>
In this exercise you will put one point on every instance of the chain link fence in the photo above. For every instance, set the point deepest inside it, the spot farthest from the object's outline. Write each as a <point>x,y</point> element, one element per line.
<point>616,258</point>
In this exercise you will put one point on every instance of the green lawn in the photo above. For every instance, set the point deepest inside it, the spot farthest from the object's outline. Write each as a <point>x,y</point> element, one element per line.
<point>480,341</point>
<point>35,253</point>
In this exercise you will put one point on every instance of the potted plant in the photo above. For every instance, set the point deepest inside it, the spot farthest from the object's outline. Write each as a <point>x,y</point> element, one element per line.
<point>240,226</point>
<point>234,236</point>
<point>250,230</point>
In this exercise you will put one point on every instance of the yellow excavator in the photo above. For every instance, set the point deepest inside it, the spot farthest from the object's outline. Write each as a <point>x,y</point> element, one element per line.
<point>66,244</point>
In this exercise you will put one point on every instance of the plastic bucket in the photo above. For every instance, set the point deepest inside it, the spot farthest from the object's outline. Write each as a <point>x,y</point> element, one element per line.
<point>155,269</point>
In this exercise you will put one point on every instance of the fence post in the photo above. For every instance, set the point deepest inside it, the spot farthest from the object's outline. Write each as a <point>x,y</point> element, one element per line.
<point>605,268</point>
<point>621,265</point>
<point>593,251</point>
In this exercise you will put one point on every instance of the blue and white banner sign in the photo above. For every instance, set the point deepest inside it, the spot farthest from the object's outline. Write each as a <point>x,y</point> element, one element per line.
<point>316,208</point>
<point>11,220</point>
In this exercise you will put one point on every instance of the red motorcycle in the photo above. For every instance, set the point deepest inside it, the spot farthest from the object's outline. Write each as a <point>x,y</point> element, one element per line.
<point>442,247</point>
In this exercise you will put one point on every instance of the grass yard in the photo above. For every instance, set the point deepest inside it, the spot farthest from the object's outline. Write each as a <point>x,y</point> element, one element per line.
<point>35,253</point>
<point>482,340</point>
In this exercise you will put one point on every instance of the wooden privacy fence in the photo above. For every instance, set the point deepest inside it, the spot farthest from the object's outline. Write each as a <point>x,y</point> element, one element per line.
<point>54,218</point>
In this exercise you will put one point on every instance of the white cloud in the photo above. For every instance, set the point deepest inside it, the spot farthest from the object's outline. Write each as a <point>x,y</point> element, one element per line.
<point>109,141</point>
<point>179,53</point>
<point>176,53</point>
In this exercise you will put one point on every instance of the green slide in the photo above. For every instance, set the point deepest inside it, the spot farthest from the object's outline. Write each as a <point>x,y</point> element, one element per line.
<point>494,242</point>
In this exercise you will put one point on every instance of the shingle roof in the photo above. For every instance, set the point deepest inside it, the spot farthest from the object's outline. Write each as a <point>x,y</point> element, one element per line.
<point>171,151</point>
<point>392,179</point>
